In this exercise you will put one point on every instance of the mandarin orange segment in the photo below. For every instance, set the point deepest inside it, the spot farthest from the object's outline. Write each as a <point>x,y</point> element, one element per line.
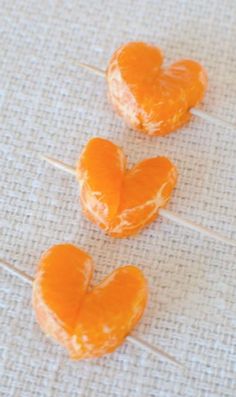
<point>62,279</point>
<point>143,190</point>
<point>146,188</point>
<point>150,98</point>
<point>145,180</point>
<point>139,67</point>
<point>100,171</point>
<point>87,322</point>
<point>109,312</point>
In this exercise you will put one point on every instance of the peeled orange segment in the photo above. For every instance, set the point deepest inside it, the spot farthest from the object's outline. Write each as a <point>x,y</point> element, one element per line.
<point>100,171</point>
<point>87,322</point>
<point>150,98</point>
<point>109,312</point>
<point>146,188</point>
<point>136,60</point>
<point>142,191</point>
<point>62,279</point>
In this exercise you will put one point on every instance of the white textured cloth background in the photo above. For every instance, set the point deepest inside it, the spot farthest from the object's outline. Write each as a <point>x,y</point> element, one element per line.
<point>50,106</point>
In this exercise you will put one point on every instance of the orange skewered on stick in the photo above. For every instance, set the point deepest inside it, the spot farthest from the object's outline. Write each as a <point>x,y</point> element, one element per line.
<point>150,98</point>
<point>121,201</point>
<point>60,288</point>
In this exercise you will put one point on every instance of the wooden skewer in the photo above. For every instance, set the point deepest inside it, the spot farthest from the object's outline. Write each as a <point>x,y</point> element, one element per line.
<point>16,272</point>
<point>132,339</point>
<point>196,112</point>
<point>93,69</point>
<point>163,212</point>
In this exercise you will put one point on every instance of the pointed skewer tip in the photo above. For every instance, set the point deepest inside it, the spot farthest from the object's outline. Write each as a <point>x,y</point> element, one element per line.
<point>93,69</point>
<point>59,164</point>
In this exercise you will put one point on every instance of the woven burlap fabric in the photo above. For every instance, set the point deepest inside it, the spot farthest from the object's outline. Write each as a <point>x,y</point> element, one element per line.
<point>50,106</point>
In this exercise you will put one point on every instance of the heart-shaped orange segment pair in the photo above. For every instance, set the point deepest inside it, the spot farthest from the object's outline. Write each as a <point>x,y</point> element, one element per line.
<point>88,322</point>
<point>118,200</point>
<point>150,98</point>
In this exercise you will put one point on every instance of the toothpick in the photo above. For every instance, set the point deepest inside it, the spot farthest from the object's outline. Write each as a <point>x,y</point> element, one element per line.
<point>152,349</point>
<point>196,227</point>
<point>163,212</point>
<point>194,111</point>
<point>59,164</point>
<point>93,69</point>
<point>16,272</point>
<point>132,339</point>
<point>211,119</point>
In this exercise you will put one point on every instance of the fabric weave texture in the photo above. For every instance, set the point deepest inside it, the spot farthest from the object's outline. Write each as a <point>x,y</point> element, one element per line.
<point>48,105</point>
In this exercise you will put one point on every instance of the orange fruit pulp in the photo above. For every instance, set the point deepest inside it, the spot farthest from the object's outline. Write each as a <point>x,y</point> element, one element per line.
<point>88,321</point>
<point>150,98</point>
<point>121,201</point>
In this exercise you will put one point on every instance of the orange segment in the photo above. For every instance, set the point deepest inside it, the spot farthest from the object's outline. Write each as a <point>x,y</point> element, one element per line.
<point>88,322</point>
<point>152,99</point>
<point>190,76</point>
<point>100,171</point>
<point>62,279</point>
<point>145,180</point>
<point>109,312</point>
<point>147,187</point>
<point>144,62</point>
<point>143,190</point>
